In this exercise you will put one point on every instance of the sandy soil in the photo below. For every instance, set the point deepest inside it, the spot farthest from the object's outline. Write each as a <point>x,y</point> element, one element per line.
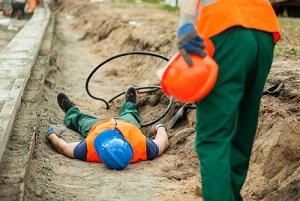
<point>86,33</point>
<point>161,179</point>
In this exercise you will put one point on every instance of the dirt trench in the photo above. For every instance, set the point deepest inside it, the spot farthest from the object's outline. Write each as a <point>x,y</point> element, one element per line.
<point>81,42</point>
<point>52,176</point>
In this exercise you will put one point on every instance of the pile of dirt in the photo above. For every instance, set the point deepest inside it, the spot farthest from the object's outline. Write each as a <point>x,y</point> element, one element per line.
<point>105,29</point>
<point>275,164</point>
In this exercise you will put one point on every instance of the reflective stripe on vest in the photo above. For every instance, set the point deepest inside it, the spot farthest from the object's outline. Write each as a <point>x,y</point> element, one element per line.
<point>220,15</point>
<point>130,132</point>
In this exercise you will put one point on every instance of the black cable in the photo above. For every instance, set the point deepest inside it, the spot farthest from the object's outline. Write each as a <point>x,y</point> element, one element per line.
<point>139,89</point>
<point>148,89</point>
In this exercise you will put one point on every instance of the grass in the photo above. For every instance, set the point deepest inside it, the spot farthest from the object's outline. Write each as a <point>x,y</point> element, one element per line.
<point>151,1</point>
<point>289,46</point>
<point>158,2</point>
<point>169,8</point>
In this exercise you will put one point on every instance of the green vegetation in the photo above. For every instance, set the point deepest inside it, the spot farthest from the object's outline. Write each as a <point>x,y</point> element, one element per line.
<point>289,44</point>
<point>158,2</point>
<point>151,1</point>
<point>169,8</point>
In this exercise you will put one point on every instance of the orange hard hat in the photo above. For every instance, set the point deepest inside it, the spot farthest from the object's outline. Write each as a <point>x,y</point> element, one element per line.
<point>189,83</point>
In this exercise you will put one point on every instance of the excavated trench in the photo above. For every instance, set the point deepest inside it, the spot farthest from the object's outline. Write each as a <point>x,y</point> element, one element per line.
<point>52,176</point>
<point>79,44</point>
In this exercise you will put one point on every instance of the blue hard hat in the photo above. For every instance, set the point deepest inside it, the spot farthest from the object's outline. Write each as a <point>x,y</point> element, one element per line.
<point>113,149</point>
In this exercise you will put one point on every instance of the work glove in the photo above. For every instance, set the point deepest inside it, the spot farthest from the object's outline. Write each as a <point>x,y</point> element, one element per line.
<point>55,129</point>
<point>190,42</point>
<point>155,127</point>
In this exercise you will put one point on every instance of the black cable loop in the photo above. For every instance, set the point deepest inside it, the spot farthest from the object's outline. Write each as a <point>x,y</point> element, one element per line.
<point>150,89</point>
<point>147,89</point>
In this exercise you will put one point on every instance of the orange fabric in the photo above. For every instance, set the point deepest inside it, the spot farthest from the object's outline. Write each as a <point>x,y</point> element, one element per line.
<point>198,3</point>
<point>216,17</point>
<point>31,6</point>
<point>130,132</point>
<point>209,47</point>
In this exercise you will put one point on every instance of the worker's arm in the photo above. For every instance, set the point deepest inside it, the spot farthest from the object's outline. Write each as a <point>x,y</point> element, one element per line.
<point>188,11</point>
<point>188,40</point>
<point>52,135</point>
<point>161,139</point>
<point>61,146</point>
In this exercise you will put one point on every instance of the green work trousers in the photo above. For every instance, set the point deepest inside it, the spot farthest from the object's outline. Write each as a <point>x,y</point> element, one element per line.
<point>82,123</point>
<point>227,117</point>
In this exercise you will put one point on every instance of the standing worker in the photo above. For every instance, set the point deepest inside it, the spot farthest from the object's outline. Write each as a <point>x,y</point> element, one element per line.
<point>243,33</point>
<point>18,8</point>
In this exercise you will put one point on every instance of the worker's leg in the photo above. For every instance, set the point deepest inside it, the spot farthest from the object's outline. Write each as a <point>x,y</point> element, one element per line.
<point>79,122</point>
<point>248,111</point>
<point>23,10</point>
<point>129,113</point>
<point>217,114</point>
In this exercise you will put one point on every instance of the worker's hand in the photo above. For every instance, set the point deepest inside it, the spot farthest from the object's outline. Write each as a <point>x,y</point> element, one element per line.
<point>54,129</point>
<point>155,127</point>
<point>190,42</point>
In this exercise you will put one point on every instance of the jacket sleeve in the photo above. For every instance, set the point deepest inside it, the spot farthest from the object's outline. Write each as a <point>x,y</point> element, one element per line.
<point>188,11</point>
<point>80,150</point>
<point>152,149</point>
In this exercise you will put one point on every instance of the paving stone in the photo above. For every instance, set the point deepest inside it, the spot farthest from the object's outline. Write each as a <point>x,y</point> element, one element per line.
<point>12,72</point>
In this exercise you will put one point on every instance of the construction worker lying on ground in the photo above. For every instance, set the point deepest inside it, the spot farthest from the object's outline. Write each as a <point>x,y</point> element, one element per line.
<point>116,141</point>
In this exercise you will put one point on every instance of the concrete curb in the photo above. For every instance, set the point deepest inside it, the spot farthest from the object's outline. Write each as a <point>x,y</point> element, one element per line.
<point>15,166</point>
<point>16,61</point>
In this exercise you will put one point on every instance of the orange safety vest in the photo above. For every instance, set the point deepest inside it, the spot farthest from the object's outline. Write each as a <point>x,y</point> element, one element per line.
<point>130,132</point>
<point>31,6</point>
<point>220,15</point>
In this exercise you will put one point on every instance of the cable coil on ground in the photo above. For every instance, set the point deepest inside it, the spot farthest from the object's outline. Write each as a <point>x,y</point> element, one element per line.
<point>141,90</point>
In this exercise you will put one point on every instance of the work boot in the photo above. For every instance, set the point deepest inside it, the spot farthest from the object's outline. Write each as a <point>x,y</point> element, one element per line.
<point>130,95</point>
<point>64,102</point>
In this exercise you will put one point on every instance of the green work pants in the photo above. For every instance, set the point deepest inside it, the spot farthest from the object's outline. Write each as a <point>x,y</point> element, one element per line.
<point>82,123</point>
<point>227,117</point>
